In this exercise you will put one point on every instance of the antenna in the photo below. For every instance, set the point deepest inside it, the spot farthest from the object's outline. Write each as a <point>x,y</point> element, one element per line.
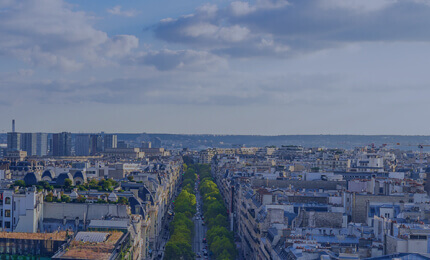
<point>13,125</point>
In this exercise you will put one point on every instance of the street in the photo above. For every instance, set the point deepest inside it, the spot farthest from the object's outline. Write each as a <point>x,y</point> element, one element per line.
<point>164,238</point>
<point>199,247</point>
<point>165,232</point>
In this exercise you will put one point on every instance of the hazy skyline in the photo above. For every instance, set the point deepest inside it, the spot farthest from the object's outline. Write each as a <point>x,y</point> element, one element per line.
<point>267,67</point>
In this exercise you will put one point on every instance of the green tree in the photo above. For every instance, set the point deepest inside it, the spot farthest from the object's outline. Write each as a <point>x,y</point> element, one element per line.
<point>219,220</point>
<point>65,198</point>
<point>19,183</point>
<point>215,208</point>
<point>221,244</point>
<point>68,184</point>
<point>179,250</point>
<point>216,232</point>
<point>93,184</point>
<point>82,188</point>
<point>123,201</point>
<point>49,197</point>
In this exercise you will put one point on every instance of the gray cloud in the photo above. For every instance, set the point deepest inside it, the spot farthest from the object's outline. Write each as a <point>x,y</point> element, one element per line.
<point>167,59</point>
<point>283,29</point>
<point>222,88</point>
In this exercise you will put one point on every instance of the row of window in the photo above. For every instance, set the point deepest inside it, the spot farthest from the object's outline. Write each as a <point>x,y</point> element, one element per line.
<point>6,224</point>
<point>6,213</point>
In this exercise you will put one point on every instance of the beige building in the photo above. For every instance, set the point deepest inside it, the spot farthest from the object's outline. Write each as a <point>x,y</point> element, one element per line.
<point>131,153</point>
<point>16,156</point>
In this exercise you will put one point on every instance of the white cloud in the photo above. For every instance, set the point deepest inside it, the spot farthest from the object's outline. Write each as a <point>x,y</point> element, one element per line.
<point>121,45</point>
<point>234,33</point>
<point>51,34</point>
<point>207,9</point>
<point>116,10</point>
<point>241,8</point>
<point>202,29</point>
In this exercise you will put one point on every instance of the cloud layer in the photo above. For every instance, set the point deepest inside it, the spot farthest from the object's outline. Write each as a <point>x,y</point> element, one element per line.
<point>287,28</point>
<point>322,60</point>
<point>50,34</point>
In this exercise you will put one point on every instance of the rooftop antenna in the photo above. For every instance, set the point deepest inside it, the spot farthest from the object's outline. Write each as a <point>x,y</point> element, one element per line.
<point>13,125</point>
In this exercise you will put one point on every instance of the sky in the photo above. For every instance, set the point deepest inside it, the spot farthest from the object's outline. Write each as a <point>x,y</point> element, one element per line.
<point>265,67</point>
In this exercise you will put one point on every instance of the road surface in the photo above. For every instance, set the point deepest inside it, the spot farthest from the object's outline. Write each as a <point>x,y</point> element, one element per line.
<point>199,229</point>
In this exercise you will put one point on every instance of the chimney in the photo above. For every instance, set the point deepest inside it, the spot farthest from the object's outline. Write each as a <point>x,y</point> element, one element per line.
<point>13,125</point>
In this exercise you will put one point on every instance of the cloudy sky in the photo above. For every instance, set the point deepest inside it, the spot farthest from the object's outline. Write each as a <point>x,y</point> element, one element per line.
<point>224,67</point>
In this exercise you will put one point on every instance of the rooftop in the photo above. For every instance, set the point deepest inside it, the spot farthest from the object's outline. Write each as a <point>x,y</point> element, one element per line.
<point>92,245</point>
<point>57,236</point>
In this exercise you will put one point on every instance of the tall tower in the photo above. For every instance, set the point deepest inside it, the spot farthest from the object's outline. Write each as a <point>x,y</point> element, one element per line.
<point>13,139</point>
<point>110,141</point>
<point>62,144</point>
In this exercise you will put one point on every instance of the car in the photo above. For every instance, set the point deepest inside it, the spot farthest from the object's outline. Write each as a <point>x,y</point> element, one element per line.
<point>198,255</point>
<point>197,218</point>
<point>203,223</point>
<point>205,253</point>
<point>204,240</point>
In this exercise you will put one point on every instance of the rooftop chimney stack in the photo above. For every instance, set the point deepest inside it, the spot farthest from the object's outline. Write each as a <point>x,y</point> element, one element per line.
<point>13,125</point>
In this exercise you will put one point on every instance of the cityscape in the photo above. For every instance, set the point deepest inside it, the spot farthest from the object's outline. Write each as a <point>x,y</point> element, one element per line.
<point>221,130</point>
<point>96,196</point>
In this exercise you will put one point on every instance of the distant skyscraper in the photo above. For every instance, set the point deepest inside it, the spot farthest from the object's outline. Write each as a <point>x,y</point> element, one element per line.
<point>111,141</point>
<point>62,144</point>
<point>122,144</point>
<point>96,144</point>
<point>29,143</point>
<point>41,144</point>
<point>82,145</point>
<point>13,141</point>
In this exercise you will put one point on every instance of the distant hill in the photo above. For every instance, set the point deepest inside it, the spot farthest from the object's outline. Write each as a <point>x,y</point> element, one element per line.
<point>328,141</point>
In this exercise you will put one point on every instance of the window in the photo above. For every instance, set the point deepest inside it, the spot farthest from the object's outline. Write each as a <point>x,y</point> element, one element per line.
<point>7,224</point>
<point>7,200</point>
<point>7,213</point>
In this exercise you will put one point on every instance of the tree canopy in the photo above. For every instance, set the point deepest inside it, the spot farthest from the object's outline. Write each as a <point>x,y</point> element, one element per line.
<point>220,239</point>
